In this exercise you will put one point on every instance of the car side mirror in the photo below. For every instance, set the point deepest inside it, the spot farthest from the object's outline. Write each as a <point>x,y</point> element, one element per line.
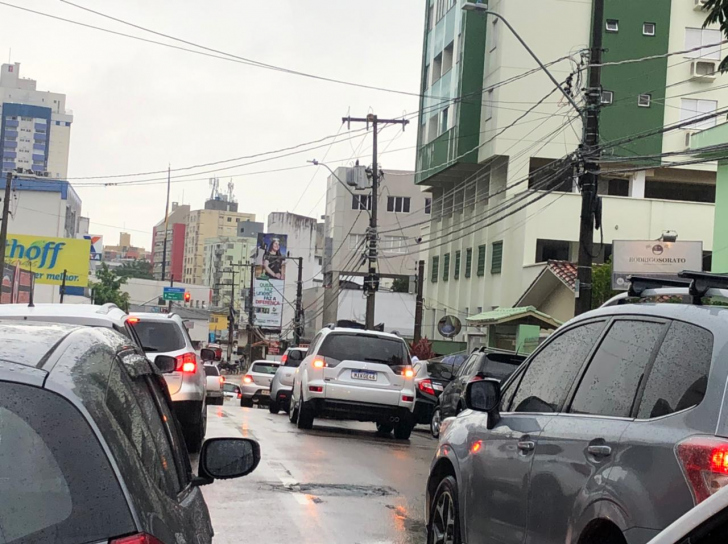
<point>484,396</point>
<point>225,458</point>
<point>207,354</point>
<point>165,363</point>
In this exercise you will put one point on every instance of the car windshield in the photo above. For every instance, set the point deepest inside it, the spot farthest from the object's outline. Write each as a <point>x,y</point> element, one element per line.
<point>294,358</point>
<point>440,371</point>
<point>160,336</point>
<point>230,388</point>
<point>339,347</point>
<point>211,370</point>
<point>56,482</point>
<point>500,370</point>
<point>264,368</point>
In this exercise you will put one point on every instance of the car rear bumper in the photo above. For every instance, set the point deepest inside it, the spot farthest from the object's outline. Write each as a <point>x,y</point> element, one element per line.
<point>359,411</point>
<point>186,388</point>
<point>283,395</point>
<point>214,394</point>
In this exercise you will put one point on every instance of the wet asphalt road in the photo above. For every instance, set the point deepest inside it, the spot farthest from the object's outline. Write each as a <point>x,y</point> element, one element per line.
<point>339,483</point>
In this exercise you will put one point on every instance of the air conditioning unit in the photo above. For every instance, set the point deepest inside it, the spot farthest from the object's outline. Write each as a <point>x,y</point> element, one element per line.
<point>689,133</point>
<point>699,5</point>
<point>703,70</point>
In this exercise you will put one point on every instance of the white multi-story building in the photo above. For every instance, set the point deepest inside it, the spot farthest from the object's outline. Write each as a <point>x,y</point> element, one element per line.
<point>36,128</point>
<point>491,140</point>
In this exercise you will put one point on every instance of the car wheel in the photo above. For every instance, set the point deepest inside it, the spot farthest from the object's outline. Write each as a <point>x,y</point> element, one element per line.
<point>305,415</point>
<point>443,527</point>
<point>273,407</point>
<point>435,423</point>
<point>403,430</point>
<point>292,411</point>
<point>384,428</point>
<point>246,402</point>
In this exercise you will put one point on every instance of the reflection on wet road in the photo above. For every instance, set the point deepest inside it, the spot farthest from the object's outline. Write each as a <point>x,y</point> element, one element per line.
<point>339,483</point>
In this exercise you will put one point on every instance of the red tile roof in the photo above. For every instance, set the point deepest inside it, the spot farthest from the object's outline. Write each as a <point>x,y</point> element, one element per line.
<point>565,271</point>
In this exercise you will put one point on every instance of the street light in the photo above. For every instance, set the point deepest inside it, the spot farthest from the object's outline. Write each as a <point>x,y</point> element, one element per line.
<point>483,8</point>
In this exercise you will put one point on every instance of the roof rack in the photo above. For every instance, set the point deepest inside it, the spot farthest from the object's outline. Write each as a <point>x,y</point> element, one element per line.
<point>639,284</point>
<point>690,283</point>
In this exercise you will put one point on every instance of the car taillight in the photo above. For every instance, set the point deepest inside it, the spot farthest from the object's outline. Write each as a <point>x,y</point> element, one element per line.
<point>284,358</point>
<point>248,378</point>
<point>319,362</point>
<point>187,362</point>
<point>426,387</point>
<point>222,380</point>
<point>316,388</point>
<point>704,461</point>
<point>408,372</point>
<point>240,395</point>
<point>132,320</point>
<point>140,538</point>
<point>407,398</point>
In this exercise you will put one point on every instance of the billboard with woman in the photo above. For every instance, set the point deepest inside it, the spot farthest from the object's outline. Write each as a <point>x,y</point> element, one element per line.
<point>270,279</point>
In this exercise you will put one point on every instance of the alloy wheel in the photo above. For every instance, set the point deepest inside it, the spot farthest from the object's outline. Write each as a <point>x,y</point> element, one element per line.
<point>435,423</point>
<point>443,519</point>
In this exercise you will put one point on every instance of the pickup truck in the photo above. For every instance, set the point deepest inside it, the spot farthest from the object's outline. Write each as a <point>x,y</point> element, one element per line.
<point>215,382</point>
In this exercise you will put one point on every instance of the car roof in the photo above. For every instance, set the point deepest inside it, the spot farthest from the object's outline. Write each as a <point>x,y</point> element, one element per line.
<point>30,344</point>
<point>155,316</point>
<point>267,362</point>
<point>348,330</point>
<point>80,314</point>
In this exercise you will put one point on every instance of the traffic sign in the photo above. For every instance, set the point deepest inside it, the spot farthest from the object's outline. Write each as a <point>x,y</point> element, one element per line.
<point>173,293</point>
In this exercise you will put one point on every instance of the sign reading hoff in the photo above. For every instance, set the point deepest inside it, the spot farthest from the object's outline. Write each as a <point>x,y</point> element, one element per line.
<point>49,257</point>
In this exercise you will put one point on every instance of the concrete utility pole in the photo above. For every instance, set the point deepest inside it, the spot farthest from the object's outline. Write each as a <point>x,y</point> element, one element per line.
<point>4,226</point>
<point>371,281</point>
<point>63,285</point>
<point>251,314</point>
<point>166,221</point>
<point>590,179</point>
<point>419,300</point>
<point>298,319</point>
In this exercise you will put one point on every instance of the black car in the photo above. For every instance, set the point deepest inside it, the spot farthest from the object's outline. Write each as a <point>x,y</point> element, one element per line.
<point>90,448</point>
<point>431,378</point>
<point>483,363</point>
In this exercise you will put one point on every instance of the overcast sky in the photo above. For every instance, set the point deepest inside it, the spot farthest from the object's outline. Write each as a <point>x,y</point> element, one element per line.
<point>139,106</point>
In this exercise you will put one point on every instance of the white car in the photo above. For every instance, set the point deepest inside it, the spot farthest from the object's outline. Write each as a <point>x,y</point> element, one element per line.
<point>166,334</point>
<point>356,375</point>
<point>282,384</point>
<point>215,382</point>
<point>707,523</point>
<point>255,385</point>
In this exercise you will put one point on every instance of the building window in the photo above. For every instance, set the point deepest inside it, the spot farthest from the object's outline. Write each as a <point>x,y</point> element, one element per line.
<point>398,204</point>
<point>644,100</point>
<point>447,57</point>
<point>394,244</point>
<point>704,41</point>
<point>468,261</point>
<point>356,240</point>
<point>494,35</point>
<point>552,250</point>
<point>607,97</point>
<point>456,275</point>
<point>361,202</point>
<point>428,206</point>
<point>648,29</point>
<point>691,108</point>
<point>446,267</point>
<point>496,260</point>
<point>444,120</point>
<point>435,269</point>
<point>612,25</point>
<point>481,260</point>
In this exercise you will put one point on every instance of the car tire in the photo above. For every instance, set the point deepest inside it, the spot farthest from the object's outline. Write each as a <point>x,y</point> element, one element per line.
<point>292,411</point>
<point>305,415</point>
<point>384,428</point>
<point>194,425</point>
<point>274,407</point>
<point>246,402</point>
<point>403,430</point>
<point>443,525</point>
<point>435,423</point>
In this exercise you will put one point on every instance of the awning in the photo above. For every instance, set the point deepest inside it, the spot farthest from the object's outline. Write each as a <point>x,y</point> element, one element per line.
<point>524,315</point>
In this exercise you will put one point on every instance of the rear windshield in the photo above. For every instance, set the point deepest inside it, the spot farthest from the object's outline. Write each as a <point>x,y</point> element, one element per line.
<point>501,367</point>
<point>56,483</point>
<point>230,387</point>
<point>160,336</point>
<point>364,348</point>
<point>440,371</point>
<point>211,370</point>
<point>294,358</point>
<point>264,368</point>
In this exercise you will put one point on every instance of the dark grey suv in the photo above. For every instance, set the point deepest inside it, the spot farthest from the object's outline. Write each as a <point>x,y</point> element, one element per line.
<point>610,431</point>
<point>89,446</point>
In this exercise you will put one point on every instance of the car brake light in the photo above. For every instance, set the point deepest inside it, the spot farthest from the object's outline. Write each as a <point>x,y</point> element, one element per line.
<point>222,380</point>
<point>316,388</point>
<point>132,320</point>
<point>407,398</point>
<point>240,395</point>
<point>477,378</point>
<point>319,362</point>
<point>140,538</point>
<point>248,378</point>
<point>187,362</point>
<point>704,461</point>
<point>426,387</point>
<point>284,358</point>
<point>408,373</point>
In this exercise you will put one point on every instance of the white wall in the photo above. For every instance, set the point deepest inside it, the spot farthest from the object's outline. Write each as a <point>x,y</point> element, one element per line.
<point>395,310</point>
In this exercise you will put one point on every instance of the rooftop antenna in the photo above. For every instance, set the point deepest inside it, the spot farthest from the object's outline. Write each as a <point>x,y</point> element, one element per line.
<point>214,183</point>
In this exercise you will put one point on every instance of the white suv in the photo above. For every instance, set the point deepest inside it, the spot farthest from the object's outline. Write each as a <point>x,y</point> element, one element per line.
<point>166,334</point>
<point>356,375</point>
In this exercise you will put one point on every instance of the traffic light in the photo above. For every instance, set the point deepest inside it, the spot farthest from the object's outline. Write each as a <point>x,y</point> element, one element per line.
<point>188,297</point>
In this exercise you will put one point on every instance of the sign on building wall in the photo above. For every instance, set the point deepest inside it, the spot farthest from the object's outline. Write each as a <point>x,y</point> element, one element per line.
<point>652,258</point>
<point>49,257</point>
<point>269,280</point>
<point>16,285</point>
<point>97,246</point>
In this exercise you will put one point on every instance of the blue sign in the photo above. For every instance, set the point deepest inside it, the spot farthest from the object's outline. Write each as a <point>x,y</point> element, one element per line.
<point>173,293</point>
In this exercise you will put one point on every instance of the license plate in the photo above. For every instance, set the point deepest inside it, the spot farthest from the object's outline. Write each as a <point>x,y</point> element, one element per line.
<point>364,375</point>
<point>265,392</point>
<point>437,387</point>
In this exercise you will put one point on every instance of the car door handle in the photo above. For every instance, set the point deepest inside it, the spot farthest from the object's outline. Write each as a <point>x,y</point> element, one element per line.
<point>600,451</point>
<point>526,445</point>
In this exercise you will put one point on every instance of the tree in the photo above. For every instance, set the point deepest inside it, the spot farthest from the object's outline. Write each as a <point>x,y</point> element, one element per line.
<point>602,284</point>
<point>135,269</point>
<point>400,285</point>
<point>422,349</point>
<point>108,288</point>
<point>718,13</point>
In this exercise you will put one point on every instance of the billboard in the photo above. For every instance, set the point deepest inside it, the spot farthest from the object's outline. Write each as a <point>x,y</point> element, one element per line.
<point>97,246</point>
<point>16,285</point>
<point>49,257</point>
<point>652,258</point>
<point>269,280</point>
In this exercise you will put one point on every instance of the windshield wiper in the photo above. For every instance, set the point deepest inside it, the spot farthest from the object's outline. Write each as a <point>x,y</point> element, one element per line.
<point>376,360</point>
<point>150,349</point>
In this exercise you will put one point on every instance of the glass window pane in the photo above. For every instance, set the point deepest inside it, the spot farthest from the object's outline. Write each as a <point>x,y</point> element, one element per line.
<point>680,374</point>
<point>553,369</point>
<point>610,384</point>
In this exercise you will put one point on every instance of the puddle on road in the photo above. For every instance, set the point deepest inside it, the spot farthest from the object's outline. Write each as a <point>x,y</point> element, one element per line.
<point>333,490</point>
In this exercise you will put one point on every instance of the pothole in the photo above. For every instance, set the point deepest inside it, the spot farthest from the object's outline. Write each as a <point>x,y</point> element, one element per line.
<point>335,490</point>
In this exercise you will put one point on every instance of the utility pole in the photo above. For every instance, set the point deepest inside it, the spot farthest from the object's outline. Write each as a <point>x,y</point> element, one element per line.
<point>590,177</point>
<point>371,281</point>
<point>63,285</point>
<point>251,314</point>
<point>4,226</point>
<point>171,284</point>
<point>166,221</point>
<point>231,317</point>
<point>298,319</point>
<point>419,302</point>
